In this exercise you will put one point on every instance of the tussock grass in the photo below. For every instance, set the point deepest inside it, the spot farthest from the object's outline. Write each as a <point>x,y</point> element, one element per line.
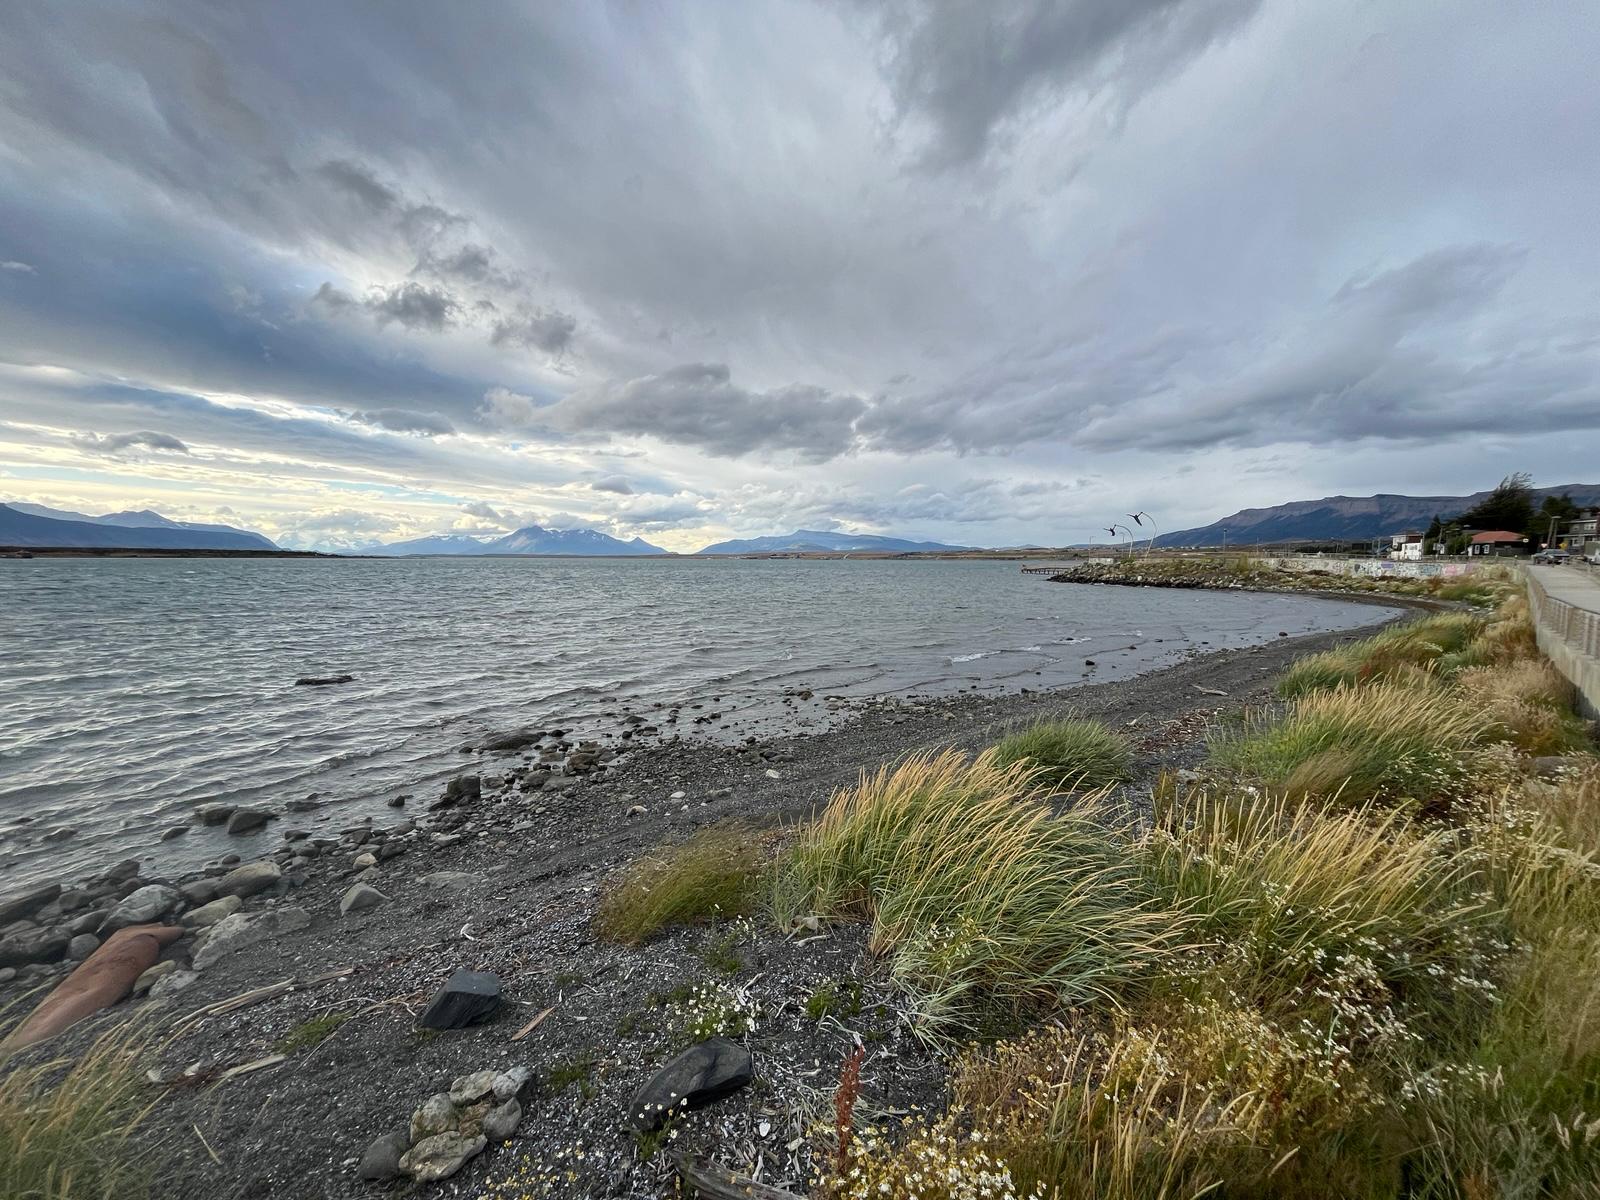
<point>716,873</point>
<point>1385,741</point>
<point>1397,652</point>
<point>984,901</point>
<point>68,1128</point>
<point>1070,753</point>
<point>1291,889</point>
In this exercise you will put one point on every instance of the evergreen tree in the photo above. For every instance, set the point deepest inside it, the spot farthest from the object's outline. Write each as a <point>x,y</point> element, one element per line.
<point>1508,507</point>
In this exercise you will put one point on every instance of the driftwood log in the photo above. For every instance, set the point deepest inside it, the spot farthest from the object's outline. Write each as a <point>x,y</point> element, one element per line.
<point>102,979</point>
<point>713,1180</point>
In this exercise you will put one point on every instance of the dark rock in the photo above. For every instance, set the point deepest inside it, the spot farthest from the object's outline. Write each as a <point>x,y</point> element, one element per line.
<point>25,904</point>
<point>309,804</point>
<point>513,741</point>
<point>34,946</point>
<point>382,1158</point>
<point>468,787</point>
<point>322,680</point>
<point>244,820</point>
<point>466,998</point>
<point>214,814</point>
<point>61,834</point>
<point>397,802</point>
<point>199,891</point>
<point>697,1077</point>
<point>173,831</point>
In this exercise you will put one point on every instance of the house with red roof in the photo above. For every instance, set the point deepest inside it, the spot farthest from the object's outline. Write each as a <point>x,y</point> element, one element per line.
<point>1501,542</point>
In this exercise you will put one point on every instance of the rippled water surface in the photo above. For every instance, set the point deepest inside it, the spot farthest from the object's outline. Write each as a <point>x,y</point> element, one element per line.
<point>133,689</point>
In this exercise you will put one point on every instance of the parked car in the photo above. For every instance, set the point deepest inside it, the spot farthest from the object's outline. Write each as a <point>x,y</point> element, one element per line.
<point>1551,556</point>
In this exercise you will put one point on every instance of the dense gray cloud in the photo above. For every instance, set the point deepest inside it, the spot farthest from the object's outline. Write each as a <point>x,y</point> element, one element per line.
<point>967,68</point>
<point>698,404</point>
<point>536,330</point>
<point>119,443</point>
<point>1188,248</point>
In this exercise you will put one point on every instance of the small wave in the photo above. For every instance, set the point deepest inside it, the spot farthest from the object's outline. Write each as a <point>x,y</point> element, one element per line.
<point>961,658</point>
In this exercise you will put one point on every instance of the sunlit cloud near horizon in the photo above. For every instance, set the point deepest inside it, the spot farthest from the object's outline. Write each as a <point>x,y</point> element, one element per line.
<point>981,274</point>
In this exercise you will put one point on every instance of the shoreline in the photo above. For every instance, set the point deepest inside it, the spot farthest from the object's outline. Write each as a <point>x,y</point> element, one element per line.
<point>507,882</point>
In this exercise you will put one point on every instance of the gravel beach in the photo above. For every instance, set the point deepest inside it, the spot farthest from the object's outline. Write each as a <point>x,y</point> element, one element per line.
<point>503,876</point>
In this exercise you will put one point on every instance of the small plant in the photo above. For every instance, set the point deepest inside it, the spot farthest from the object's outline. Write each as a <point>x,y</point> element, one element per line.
<point>829,999</point>
<point>714,1010</point>
<point>311,1033</point>
<point>1070,753</point>
<point>721,952</point>
<point>579,1069</point>
<point>712,875</point>
<point>844,1107</point>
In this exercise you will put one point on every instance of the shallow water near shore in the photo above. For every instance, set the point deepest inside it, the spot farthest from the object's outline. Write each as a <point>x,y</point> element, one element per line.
<point>133,690</point>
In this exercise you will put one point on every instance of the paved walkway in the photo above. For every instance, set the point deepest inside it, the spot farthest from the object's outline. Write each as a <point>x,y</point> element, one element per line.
<point>1566,615</point>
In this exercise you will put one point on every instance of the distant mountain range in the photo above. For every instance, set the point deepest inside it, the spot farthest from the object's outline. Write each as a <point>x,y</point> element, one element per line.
<point>35,525</point>
<point>802,541</point>
<point>1346,518</point>
<point>531,540</point>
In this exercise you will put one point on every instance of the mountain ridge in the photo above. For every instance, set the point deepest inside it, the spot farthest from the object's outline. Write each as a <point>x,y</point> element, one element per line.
<point>19,527</point>
<point>823,541</point>
<point>529,540</point>
<point>1346,518</point>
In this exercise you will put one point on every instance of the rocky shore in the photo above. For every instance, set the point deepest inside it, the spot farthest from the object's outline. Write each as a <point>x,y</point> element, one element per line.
<point>302,1042</point>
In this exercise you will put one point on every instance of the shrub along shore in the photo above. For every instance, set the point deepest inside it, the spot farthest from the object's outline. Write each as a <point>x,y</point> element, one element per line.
<point>1351,948</point>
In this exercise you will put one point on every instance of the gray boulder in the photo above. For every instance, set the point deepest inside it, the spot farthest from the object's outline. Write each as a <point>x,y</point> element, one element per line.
<point>32,946</point>
<point>440,1156</point>
<point>171,983</point>
<point>434,1115</point>
<point>511,1083</point>
<point>700,1075</point>
<point>501,1121</point>
<point>142,906</point>
<point>473,1087</point>
<point>152,976</point>
<point>80,947</point>
<point>248,929</point>
<point>249,879</point>
<point>382,1158</point>
<point>360,897</point>
<point>25,904</point>
<point>209,914</point>
<point>246,820</point>
<point>198,891</point>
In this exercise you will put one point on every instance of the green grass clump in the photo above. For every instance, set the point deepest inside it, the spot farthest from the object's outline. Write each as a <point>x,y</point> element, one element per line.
<point>579,1070</point>
<point>714,874</point>
<point>69,1128</point>
<point>1069,753</point>
<point>311,1033</point>
<point>1397,652</point>
<point>1388,741</point>
<point>831,999</point>
<point>984,900</point>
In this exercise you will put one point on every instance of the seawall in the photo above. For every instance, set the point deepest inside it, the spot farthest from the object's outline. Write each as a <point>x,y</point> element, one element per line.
<point>1565,603</point>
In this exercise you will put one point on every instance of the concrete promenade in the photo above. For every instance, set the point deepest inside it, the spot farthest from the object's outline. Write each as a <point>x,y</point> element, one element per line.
<point>1566,614</point>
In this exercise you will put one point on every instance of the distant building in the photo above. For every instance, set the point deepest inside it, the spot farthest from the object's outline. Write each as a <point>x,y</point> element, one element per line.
<point>1582,533</point>
<point>1500,542</point>
<point>1406,546</point>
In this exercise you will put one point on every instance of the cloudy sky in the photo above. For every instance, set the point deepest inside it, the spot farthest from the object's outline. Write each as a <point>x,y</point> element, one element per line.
<point>988,273</point>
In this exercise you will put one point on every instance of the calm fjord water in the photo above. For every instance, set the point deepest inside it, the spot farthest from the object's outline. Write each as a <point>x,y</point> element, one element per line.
<point>132,690</point>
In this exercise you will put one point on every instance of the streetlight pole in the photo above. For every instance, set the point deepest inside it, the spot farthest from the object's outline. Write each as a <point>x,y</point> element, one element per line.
<point>1139,518</point>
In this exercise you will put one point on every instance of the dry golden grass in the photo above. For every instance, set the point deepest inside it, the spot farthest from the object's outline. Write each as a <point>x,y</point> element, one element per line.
<point>69,1127</point>
<point>715,874</point>
<point>980,895</point>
